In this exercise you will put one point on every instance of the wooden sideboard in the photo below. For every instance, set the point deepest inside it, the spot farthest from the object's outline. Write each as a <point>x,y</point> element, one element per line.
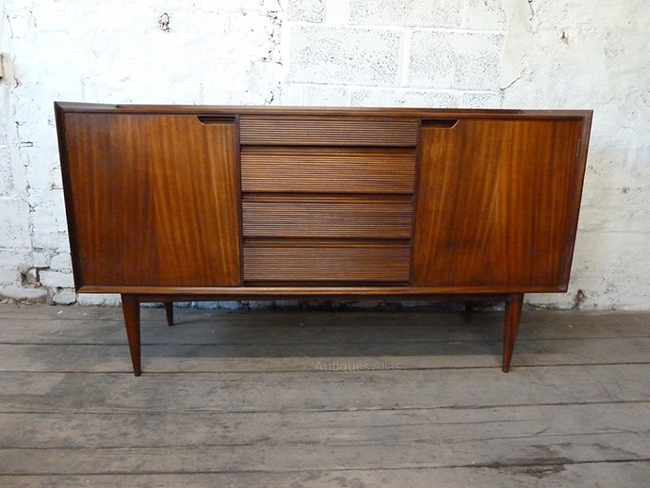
<point>175,203</point>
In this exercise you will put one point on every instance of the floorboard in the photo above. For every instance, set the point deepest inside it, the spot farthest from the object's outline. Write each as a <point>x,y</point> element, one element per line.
<point>296,391</point>
<point>585,475</point>
<point>323,399</point>
<point>229,358</point>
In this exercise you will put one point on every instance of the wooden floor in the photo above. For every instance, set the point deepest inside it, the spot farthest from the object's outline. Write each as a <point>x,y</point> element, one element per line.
<point>262,398</point>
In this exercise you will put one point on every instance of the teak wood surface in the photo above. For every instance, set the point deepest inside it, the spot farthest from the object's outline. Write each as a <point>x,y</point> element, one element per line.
<point>502,194</point>
<point>168,203</point>
<point>155,200</point>
<point>328,170</point>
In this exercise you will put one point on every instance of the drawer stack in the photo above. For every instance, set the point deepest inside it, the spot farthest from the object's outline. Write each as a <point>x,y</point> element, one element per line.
<point>327,199</point>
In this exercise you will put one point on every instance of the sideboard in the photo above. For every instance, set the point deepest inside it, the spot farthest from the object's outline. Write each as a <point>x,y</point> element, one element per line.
<point>179,203</point>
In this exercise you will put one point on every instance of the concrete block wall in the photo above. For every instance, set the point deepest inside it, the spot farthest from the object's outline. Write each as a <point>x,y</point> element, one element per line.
<point>442,53</point>
<point>428,53</point>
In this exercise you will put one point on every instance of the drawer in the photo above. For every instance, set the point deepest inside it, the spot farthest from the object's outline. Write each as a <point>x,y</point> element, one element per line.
<point>327,131</point>
<point>310,262</point>
<point>333,217</point>
<point>327,170</point>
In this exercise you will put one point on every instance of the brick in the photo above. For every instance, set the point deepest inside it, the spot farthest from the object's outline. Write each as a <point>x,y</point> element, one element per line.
<point>56,279</point>
<point>65,297</point>
<point>306,10</point>
<point>35,295</point>
<point>480,100</point>
<point>463,60</point>
<point>403,98</point>
<point>18,258</point>
<point>10,276</point>
<point>341,55</point>
<point>425,13</point>
<point>49,222</point>
<point>91,300</point>
<point>61,262</point>
<point>13,223</point>
<point>13,262</point>
<point>555,301</point>
<point>6,171</point>
<point>40,259</point>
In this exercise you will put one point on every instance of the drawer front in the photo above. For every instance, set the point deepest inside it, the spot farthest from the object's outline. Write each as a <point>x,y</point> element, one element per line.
<point>328,170</point>
<point>328,131</point>
<point>333,218</point>
<point>363,262</point>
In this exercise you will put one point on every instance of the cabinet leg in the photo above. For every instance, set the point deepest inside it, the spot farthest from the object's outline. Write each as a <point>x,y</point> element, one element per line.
<point>510,327</point>
<point>131,310</point>
<point>169,311</point>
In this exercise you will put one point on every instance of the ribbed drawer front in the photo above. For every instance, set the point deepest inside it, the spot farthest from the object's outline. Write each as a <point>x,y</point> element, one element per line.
<point>328,170</point>
<point>339,217</point>
<point>327,131</point>
<point>363,262</point>
<point>327,198</point>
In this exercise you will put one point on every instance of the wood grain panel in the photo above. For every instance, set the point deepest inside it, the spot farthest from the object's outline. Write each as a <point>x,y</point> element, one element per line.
<point>494,203</point>
<point>287,130</point>
<point>328,218</point>
<point>338,262</point>
<point>327,170</point>
<point>155,199</point>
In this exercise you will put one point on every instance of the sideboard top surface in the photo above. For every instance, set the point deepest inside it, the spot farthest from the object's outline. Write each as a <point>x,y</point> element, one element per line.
<point>70,107</point>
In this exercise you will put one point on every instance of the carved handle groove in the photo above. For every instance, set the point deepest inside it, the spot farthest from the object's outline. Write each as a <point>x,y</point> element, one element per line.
<point>216,119</point>
<point>440,123</point>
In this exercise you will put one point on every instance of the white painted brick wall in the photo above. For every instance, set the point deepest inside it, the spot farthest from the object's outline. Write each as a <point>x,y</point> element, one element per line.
<point>343,54</point>
<point>457,60</point>
<point>430,13</point>
<point>425,53</point>
<point>305,10</point>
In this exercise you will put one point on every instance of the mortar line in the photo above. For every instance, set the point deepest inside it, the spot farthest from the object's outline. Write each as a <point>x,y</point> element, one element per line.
<point>399,88</point>
<point>397,29</point>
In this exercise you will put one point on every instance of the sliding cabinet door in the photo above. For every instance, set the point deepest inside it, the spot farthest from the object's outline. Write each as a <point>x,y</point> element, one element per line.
<point>497,203</point>
<point>155,199</point>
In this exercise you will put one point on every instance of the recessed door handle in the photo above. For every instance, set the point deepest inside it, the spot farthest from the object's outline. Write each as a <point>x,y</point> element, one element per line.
<point>440,123</point>
<point>216,119</point>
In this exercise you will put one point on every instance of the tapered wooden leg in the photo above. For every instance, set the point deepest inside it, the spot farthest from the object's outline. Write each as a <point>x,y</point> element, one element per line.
<point>169,311</point>
<point>511,325</point>
<point>131,310</point>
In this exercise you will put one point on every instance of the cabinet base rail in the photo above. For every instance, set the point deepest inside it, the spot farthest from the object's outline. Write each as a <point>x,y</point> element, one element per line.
<point>131,309</point>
